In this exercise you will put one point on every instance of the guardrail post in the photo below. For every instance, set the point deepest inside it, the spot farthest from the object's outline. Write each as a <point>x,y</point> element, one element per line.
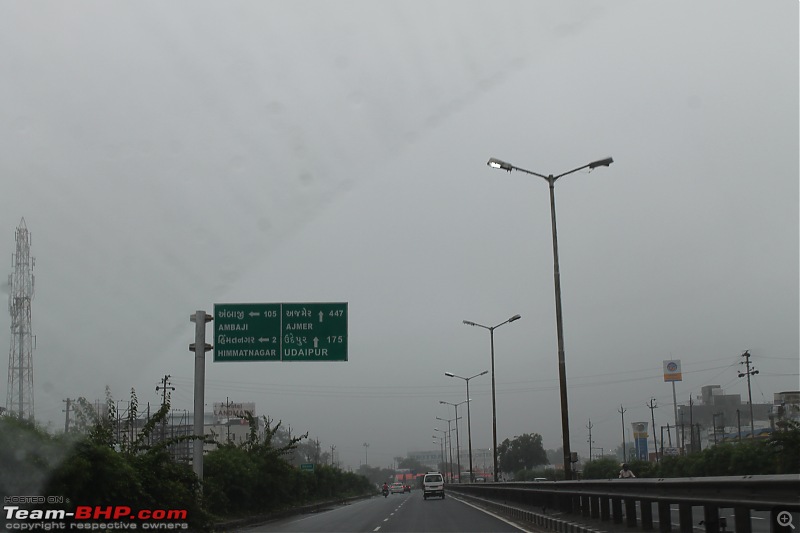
<point>604,514</point>
<point>594,507</point>
<point>664,517</point>
<point>585,505</point>
<point>741,519</point>
<point>616,510</point>
<point>647,514</point>
<point>630,512</point>
<point>564,503</point>
<point>685,514</point>
<point>711,518</point>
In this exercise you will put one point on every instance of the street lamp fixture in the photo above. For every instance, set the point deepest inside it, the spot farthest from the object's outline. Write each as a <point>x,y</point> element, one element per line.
<point>494,395</point>
<point>562,372</point>
<point>469,419</point>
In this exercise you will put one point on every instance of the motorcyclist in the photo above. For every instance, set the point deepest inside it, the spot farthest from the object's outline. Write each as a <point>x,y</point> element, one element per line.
<point>385,489</point>
<point>626,472</point>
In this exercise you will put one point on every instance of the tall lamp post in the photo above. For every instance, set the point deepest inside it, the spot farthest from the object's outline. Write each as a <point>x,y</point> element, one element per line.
<point>469,419</point>
<point>494,396</point>
<point>441,446</point>
<point>562,371</point>
<point>450,438</point>
<point>458,444</point>
<point>444,447</point>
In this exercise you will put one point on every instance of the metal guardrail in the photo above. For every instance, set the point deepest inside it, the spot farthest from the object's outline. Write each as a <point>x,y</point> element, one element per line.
<point>604,499</point>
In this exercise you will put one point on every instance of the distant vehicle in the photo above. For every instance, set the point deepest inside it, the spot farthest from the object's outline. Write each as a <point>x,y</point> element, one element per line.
<point>397,488</point>
<point>480,479</point>
<point>540,479</point>
<point>406,488</point>
<point>433,485</point>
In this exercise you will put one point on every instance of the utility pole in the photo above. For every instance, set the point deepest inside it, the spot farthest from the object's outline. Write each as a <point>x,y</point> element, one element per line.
<point>652,405</point>
<point>366,446</point>
<point>589,426</point>
<point>163,390</point>
<point>66,422</point>
<point>691,424</point>
<point>332,449</point>
<point>739,425</point>
<point>621,411</point>
<point>748,373</point>
<point>228,417</point>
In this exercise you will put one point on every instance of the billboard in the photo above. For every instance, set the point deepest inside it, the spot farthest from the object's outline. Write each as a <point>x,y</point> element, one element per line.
<point>672,370</point>
<point>233,409</point>
<point>640,439</point>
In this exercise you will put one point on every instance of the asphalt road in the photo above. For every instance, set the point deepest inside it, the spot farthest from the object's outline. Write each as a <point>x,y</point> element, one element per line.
<point>397,513</point>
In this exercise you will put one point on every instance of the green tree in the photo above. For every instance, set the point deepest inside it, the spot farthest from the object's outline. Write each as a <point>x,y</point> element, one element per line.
<point>27,456</point>
<point>522,453</point>
<point>784,443</point>
<point>412,464</point>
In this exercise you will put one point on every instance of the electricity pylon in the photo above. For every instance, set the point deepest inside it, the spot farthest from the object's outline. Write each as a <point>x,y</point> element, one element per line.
<point>19,399</point>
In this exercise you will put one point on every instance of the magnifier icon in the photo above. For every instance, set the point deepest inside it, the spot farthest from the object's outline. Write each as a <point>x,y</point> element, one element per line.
<point>785,519</point>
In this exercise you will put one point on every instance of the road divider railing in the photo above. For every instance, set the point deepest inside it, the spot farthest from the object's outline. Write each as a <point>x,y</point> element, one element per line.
<point>560,505</point>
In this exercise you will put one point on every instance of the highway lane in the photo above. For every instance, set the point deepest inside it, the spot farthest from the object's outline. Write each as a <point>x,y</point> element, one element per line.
<point>397,513</point>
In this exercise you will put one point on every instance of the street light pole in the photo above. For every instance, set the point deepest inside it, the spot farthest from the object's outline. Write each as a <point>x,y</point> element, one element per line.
<point>441,446</point>
<point>469,419</point>
<point>450,437</point>
<point>562,370</point>
<point>444,444</point>
<point>458,444</point>
<point>494,395</point>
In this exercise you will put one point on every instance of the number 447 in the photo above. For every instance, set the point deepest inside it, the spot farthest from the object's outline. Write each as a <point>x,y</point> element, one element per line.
<point>336,312</point>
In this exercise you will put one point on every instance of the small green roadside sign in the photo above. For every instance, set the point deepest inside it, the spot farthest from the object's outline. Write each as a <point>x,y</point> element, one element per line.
<point>309,467</point>
<point>280,332</point>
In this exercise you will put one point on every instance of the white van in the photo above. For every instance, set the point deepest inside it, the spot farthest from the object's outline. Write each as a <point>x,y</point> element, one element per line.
<point>433,485</point>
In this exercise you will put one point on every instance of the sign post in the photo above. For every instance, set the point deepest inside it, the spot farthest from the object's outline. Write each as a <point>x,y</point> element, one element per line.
<point>199,347</point>
<point>672,372</point>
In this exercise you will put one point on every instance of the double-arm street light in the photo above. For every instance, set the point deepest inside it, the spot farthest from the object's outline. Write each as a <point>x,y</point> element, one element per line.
<point>443,439</point>
<point>562,372</point>
<point>494,397</point>
<point>469,420</point>
<point>450,438</point>
<point>441,445</point>
<point>458,444</point>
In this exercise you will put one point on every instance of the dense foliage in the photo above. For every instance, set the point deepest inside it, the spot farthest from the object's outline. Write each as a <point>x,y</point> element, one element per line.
<point>97,464</point>
<point>779,454</point>
<point>521,453</point>
<point>254,477</point>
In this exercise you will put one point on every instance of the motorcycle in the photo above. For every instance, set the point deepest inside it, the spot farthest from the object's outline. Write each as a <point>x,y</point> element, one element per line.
<point>385,492</point>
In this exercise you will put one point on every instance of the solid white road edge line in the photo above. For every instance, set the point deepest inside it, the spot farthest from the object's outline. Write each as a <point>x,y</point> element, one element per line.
<point>492,514</point>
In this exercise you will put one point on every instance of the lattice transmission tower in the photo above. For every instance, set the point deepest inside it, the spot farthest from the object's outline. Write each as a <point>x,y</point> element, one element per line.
<point>19,399</point>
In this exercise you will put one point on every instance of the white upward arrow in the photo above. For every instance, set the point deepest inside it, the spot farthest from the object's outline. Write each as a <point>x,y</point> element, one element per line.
<point>316,341</point>
<point>320,316</point>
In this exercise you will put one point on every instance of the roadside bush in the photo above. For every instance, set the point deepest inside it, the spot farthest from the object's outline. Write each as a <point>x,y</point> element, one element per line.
<point>601,469</point>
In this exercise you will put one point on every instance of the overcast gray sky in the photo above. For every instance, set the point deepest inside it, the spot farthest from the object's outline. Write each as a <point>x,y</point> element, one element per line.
<point>169,156</point>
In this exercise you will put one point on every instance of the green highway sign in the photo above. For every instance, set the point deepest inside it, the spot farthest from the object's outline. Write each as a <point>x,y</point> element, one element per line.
<point>280,332</point>
<point>307,466</point>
